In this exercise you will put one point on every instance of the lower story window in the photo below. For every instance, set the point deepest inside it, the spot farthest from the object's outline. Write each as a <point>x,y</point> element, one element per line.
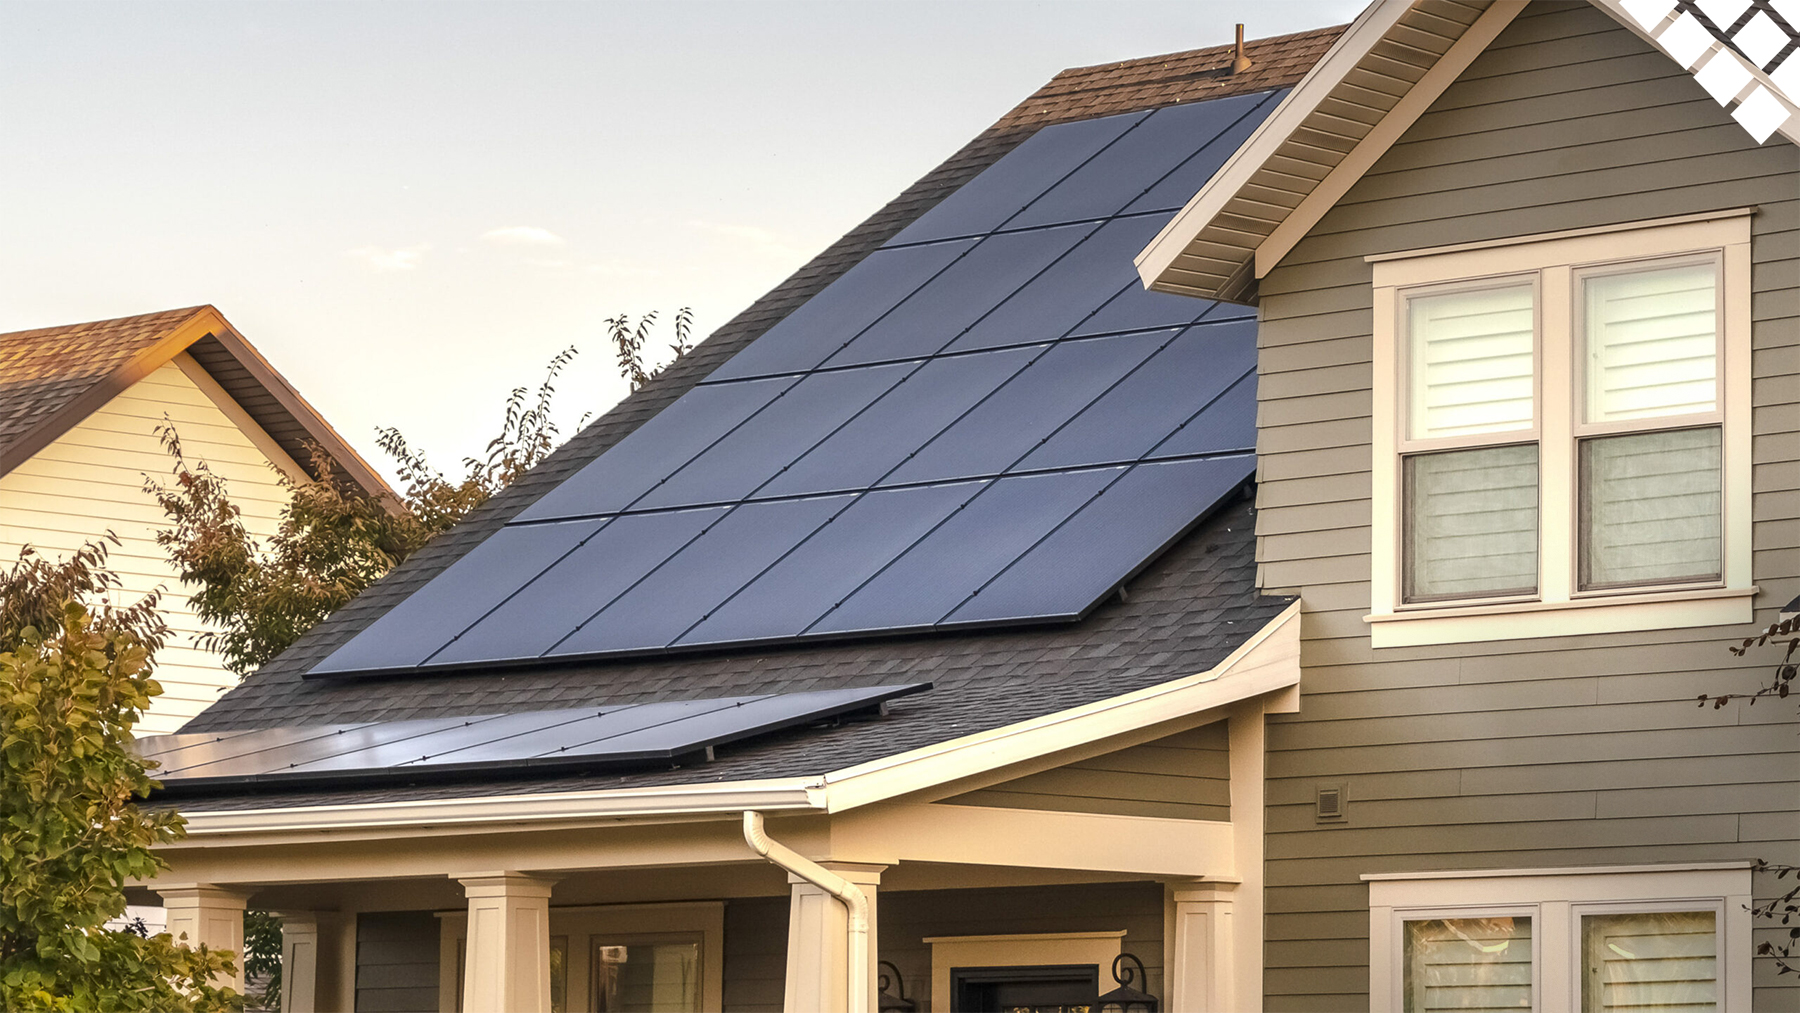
<point>1648,937</point>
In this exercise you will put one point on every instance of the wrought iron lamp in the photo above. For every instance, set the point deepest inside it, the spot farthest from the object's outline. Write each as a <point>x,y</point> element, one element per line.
<point>1125,998</point>
<point>890,1000</point>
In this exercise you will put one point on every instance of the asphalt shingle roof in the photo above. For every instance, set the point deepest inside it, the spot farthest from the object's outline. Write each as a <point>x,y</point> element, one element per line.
<point>1184,614</point>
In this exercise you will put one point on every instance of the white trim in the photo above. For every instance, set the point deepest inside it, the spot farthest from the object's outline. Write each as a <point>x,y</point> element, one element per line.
<point>1266,663</point>
<point>1099,948</point>
<point>1555,900</point>
<point>1559,607</point>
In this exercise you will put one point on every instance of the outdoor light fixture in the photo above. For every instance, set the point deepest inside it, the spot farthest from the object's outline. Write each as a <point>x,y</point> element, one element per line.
<point>1126,999</point>
<point>889,1000</point>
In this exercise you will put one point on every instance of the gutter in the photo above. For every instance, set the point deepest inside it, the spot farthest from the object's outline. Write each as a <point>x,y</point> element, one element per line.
<point>856,903</point>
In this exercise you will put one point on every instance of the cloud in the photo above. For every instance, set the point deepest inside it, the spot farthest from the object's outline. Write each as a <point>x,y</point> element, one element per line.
<point>522,235</point>
<point>755,239</point>
<point>382,260</point>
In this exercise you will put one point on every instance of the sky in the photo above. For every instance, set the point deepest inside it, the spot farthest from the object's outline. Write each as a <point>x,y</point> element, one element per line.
<point>410,207</point>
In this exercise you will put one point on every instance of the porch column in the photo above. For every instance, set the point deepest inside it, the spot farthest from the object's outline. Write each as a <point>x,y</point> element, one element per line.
<point>817,965</point>
<point>207,915</point>
<point>1201,960</point>
<point>311,962</point>
<point>1247,728</point>
<point>506,966</point>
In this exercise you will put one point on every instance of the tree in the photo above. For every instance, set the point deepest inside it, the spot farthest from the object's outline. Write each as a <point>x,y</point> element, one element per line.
<point>1784,908</point>
<point>334,539</point>
<point>75,675</point>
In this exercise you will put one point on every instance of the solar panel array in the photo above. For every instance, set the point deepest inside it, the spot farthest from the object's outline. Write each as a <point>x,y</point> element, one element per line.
<point>988,420</point>
<point>537,742</point>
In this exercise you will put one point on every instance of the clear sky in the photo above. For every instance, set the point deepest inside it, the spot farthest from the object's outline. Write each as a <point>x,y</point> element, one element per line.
<point>409,207</point>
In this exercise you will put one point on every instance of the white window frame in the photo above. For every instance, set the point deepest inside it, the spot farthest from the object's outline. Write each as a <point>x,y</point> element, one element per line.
<point>625,923</point>
<point>1558,261</point>
<point>1555,900</point>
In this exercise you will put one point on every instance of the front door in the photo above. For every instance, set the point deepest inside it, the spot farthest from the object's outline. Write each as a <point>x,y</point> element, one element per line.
<point>1043,988</point>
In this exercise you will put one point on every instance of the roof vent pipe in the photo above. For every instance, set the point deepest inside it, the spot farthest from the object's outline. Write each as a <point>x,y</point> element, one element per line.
<point>855,902</point>
<point>1239,62</point>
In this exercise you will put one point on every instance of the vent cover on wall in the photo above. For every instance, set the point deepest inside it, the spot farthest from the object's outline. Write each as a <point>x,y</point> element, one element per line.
<point>1331,807</point>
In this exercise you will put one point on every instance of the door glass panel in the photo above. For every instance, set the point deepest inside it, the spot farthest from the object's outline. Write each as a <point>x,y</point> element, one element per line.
<point>646,977</point>
<point>559,974</point>
<point>1468,964</point>
<point>1662,961</point>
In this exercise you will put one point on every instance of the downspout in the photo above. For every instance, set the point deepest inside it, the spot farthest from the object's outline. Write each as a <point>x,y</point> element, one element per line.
<point>855,902</point>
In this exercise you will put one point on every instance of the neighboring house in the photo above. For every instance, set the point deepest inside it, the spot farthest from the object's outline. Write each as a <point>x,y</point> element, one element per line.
<point>79,409</point>
<point>1412,728</point>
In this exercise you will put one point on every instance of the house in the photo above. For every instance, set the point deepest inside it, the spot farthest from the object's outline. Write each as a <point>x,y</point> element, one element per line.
<point>733,703</point>
<point>79,409</point>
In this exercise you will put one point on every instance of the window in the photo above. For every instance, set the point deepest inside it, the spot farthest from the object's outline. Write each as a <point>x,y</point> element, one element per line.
<point>621,958</point>
<point>1561,434</point>
<point>1661,937</point>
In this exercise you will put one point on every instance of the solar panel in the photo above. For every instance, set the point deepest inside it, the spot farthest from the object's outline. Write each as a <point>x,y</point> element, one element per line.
<point>536,742</point>
<point>827,321</point>
<point>984,203</point>
<point>934,420</point>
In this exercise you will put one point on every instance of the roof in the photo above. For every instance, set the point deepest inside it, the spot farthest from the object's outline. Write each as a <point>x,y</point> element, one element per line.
<point>1382,74</point>
<point>1188,610</point>
<point>53,377</point>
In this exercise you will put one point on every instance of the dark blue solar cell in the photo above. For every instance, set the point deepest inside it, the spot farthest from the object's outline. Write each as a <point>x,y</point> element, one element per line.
<point>1123,528</point>
<point>831,564</point>
<point>1028,409</point>
<point>696,420</point>
<point>583,583</point>
<point>685,590</point>
<point>390,745</point>
<point>775,437</point>
<point>965,552</point>
<point>602,733</point>
<point>1055,301</point>
<point>911,413</point>
<point>1134,163</point>
<point>966,290</point>
<point>981,204</point>
<point>810,334</point>
<point>1180,186</point>
<point>1229,423</point>
<point>1136,308</point>
<point>1154,401</point>
<point>444,607</point>
<point>192,755</point>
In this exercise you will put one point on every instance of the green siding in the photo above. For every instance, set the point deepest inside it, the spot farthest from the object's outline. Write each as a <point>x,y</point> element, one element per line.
<point>1573,751</point>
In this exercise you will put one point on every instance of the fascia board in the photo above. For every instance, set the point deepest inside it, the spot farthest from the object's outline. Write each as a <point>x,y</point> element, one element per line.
<point>1368,29</point>
<point>534,809</point>
<point>1218,687</point>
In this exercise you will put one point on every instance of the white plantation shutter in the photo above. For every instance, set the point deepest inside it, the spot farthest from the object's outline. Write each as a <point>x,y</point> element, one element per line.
<point>1470,362</point>
<point>1471,523</point>
<point>1666,963</point>
<point>1652,343</point>
<point>1468,964</point>
<point>1650,508</point>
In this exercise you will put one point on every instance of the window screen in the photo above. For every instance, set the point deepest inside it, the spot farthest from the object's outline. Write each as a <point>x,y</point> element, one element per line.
<point>1652,343</point>
<point>1468,964</point>
<point>1660,961</point>
<point>1471,523</point>
<point>1470,362</point>
<point>1650,508</point>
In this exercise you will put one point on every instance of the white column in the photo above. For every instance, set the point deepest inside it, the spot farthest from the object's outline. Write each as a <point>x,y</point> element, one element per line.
<point>817,968</point>
<point>1248,744</point>
<point>203,914</point>
<point>506,963</point>
<point>312,962</point>
<point>1201,964</point>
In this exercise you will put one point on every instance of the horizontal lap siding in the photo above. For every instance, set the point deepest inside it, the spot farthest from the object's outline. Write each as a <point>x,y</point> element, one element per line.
<point>397,962</point>
<point>1516,753</point>
<point>90,481</point>
<point>755,954</point>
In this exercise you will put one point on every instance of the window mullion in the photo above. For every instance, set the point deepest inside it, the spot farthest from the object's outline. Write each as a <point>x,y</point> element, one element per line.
<point>1556,410</point>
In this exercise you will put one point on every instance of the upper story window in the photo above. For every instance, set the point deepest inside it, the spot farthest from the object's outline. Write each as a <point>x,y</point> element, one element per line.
<point>1561,434</point>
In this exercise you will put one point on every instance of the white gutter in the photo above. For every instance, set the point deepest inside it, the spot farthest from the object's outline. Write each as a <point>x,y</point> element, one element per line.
<point>855,902</point>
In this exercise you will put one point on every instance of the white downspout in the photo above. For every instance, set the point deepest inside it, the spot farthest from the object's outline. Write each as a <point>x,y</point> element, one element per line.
<point>855,901</point>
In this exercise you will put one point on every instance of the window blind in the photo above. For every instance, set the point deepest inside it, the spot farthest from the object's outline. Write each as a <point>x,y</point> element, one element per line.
<point>1471,523</point>
<point>1650,508</point>
<point>1656,961</point>
<point>1652,343</point>
<point>1468,964</point>
<point>1470,362</point>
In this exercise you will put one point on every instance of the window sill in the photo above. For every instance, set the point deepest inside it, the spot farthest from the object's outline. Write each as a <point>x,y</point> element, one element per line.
<point>1521,620</point>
